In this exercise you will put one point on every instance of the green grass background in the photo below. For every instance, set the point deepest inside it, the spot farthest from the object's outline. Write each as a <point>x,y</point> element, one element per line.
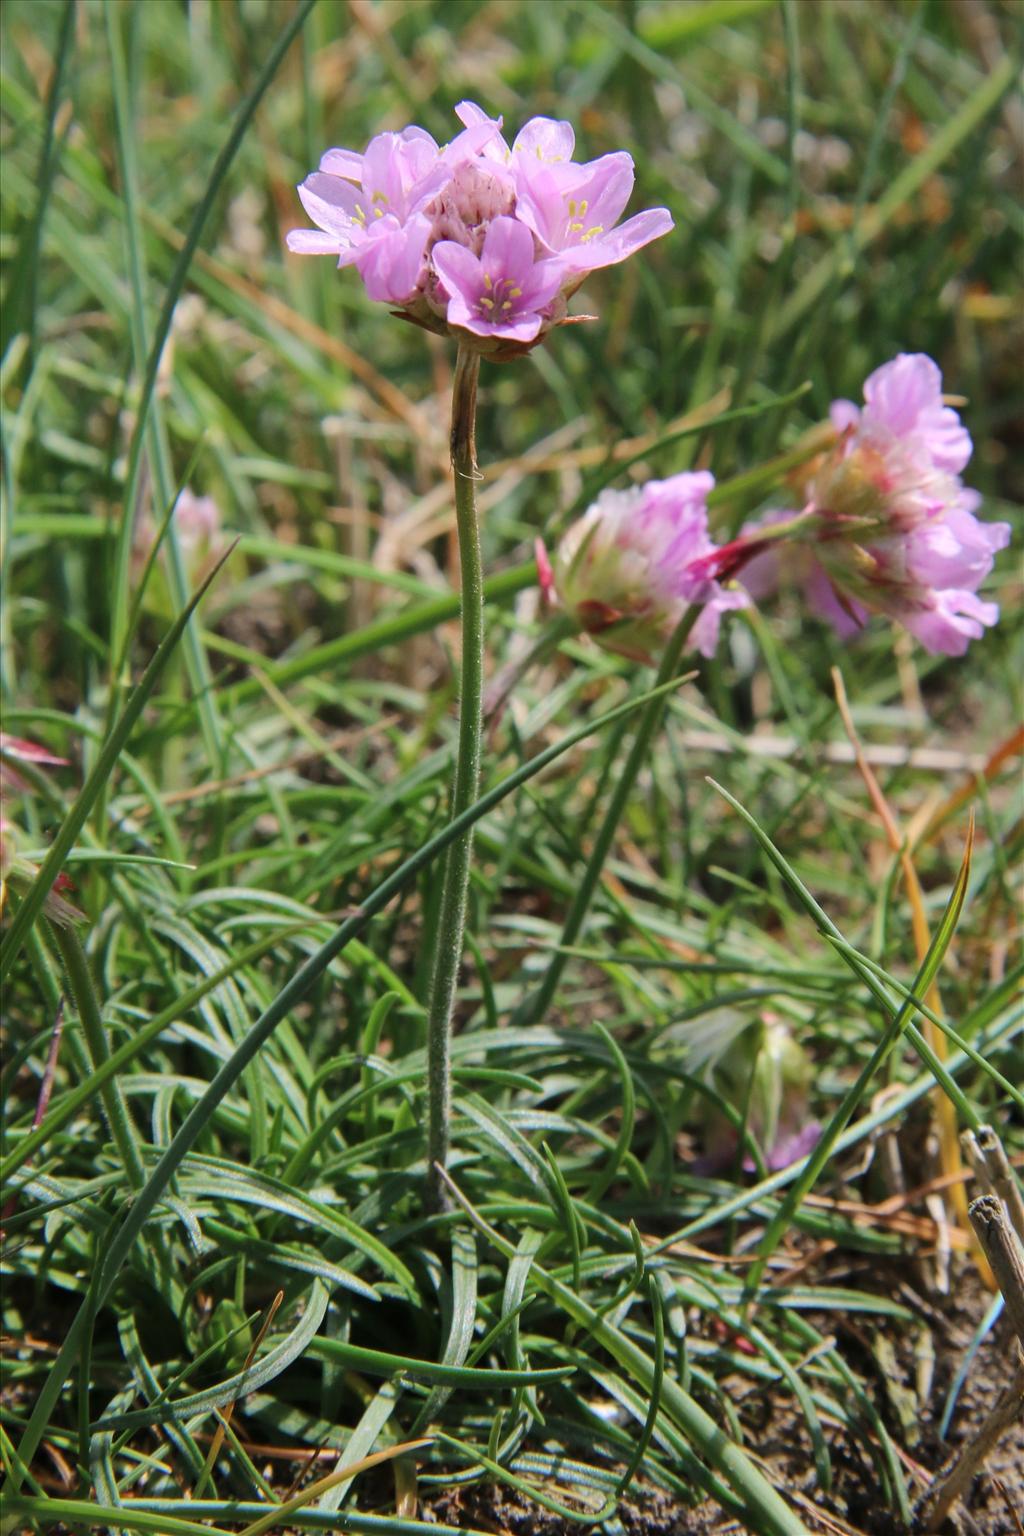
<point>844,176</point>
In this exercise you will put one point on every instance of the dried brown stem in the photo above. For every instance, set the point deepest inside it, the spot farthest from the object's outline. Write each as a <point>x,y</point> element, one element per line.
<point>1004,1253</point>
<point>1001,1175</point>
<point>997,1237</point>
<point>952,1481</point>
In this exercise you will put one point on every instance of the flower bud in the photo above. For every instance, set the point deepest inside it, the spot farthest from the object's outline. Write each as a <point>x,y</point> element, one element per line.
<point>765,1073</point>
<point>628,568</point>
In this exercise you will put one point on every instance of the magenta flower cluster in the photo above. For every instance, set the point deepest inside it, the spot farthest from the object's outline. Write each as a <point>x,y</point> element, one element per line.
<point>889,526</point>
<point>485,238</point>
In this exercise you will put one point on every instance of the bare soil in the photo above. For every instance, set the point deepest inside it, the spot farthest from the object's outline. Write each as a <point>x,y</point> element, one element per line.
<point>854,1506</point>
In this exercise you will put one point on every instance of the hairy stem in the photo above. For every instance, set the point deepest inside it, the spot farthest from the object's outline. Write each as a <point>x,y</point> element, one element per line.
<point>534,1008</point>
<point>452,918</point>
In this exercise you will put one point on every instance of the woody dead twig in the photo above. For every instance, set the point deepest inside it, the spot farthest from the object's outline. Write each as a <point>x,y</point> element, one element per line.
<point>1003,1250</point>
<point>987,1157</point>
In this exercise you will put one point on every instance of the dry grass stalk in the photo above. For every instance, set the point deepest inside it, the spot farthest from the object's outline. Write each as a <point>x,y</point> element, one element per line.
<point>1006,1256</point>
<point>945,1114</point>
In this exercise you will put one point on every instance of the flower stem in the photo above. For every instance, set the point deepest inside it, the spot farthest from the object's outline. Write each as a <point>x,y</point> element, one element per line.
<point>534,1008</point>
<point>452,919</point>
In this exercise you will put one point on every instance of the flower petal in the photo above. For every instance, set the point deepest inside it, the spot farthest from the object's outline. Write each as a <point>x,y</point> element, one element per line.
<point>343,162</point>
<point>508,249</point>
<point>313,242</point>
<point>620,243</point>
<point>333,204</point>
<point>956,619</point>
<point>541,283</point>
<point>459,270</point>
<point>545,139</point>
<point>390,263</point>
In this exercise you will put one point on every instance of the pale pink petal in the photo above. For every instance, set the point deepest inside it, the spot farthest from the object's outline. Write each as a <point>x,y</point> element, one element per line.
<point>332,204</point>
<point>899,391</point>
<point>946,438</point>
<point>545,139</point>
<point>619,243</point>
<point>606,186</point>
<point>459,270</point>
<point>460,313</point>
<point>520,328</point>
<point>705,632</point>
<point>956,619</point>
<point>312,242</point>
<point>482,135</point>
<point>789,1148</point>
<point>508,249</point>
<point>390,264</point>
<point>847,617</point>
<point>844,415</point>
<point>542,283</point>
<point>343,162</point>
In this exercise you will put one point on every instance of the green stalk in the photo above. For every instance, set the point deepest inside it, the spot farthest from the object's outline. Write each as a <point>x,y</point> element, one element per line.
<point>452,919</point>
<point>534,1008</point>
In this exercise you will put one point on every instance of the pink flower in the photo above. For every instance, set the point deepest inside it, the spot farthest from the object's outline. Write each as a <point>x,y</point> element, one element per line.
<point>764,1073</point>
<point>197,519</point>
<point>889,527</point>
<point>16,871</point>
<point>903,399</point>
<point>503,292</point>
<point>572,209</point>
<point>390,211</point>
<point>378,225</point>
<point>628,568</point>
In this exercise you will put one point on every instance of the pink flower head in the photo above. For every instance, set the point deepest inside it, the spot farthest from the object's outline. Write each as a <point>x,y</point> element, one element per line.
<point>197,519</point>
<point>628,568</point>
<point>903,400</point>
<point>764,1073</point>
<point>525,214</point>
<point>889,526</point>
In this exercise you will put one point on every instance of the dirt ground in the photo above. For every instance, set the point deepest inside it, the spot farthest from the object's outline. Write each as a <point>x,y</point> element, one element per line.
<point>853,1507</point>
